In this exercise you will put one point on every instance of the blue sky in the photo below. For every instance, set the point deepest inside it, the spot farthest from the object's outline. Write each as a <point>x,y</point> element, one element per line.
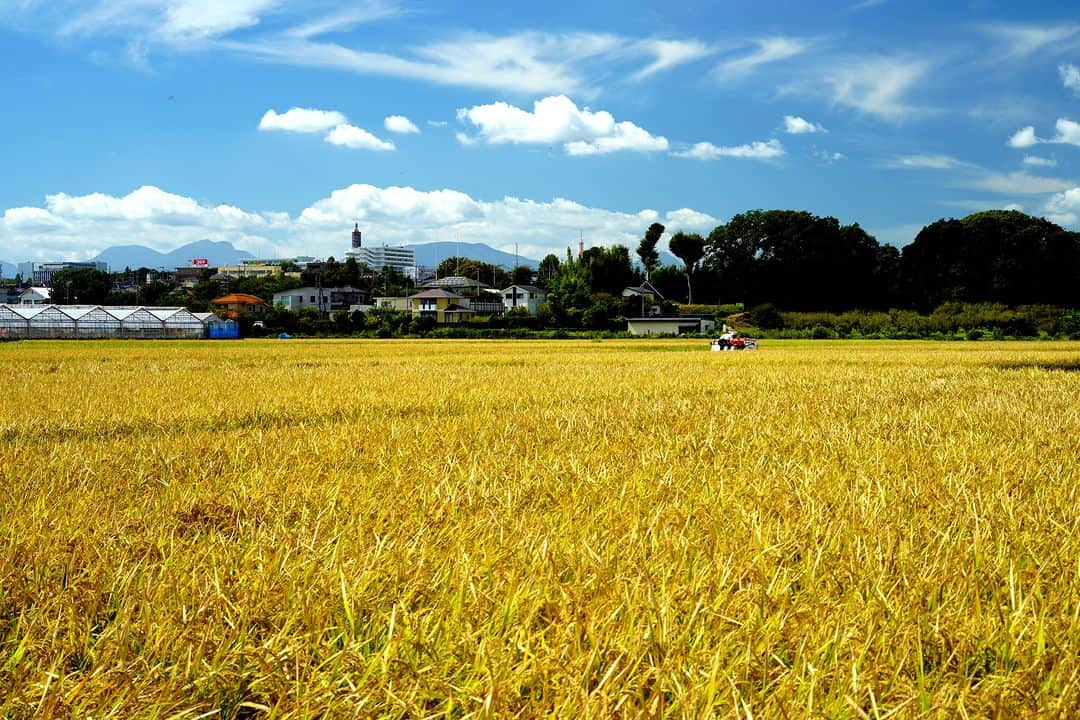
<point>276,124</point>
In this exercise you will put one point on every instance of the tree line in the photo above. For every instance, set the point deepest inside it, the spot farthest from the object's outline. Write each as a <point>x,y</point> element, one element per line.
<point>798,261</point>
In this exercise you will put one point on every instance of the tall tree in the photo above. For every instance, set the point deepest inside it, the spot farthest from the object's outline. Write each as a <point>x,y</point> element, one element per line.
<point>690,248</point>
<point>548,267</point>
<point>646,249</point>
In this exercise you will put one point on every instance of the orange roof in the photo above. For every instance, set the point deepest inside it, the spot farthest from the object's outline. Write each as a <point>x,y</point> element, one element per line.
<point>238,299</point>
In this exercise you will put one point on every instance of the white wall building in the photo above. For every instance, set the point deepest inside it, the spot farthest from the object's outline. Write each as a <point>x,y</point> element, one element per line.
<point>398,257</point>
<point>321,299</point>
<point>528,297</point>
<point>668,325</point>
<point>377,257</point>
<point>35,296</point>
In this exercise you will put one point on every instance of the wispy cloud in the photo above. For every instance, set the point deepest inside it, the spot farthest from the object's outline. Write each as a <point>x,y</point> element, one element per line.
<point>670,54</point>
<point>347,19</point>
<point>922,161</point>
<point>877,85</point>
<point>765,51</point>
<point>1036,161</point>
<point>1070,77</point>
<point>973,175</point>
<point>1017,40</point>
<point>760,150</point>
<point>867,4</point>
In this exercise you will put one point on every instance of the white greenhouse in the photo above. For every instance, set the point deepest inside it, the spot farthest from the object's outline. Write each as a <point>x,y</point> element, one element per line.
<point>98,321</point>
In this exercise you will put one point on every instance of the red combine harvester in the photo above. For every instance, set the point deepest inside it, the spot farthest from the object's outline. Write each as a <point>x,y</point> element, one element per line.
<point>730,340</point>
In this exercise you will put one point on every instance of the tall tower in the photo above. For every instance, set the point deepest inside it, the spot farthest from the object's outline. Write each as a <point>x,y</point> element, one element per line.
<point>356,237</point>
<point>581,246</point>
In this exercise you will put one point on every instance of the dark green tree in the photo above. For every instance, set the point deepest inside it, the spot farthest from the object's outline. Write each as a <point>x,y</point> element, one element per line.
<point>690,248</point>
<point>548,267</point>
<point>522,275</point>
<point>646,250</point>
<point>83,286</point>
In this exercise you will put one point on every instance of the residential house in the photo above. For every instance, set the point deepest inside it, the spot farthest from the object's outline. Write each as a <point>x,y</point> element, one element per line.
<point>234,305</point>
<point>321,299</point>
<point>645,290</point>
<point>443,306</point>
<point>35,296</point>
<point>527,297</point>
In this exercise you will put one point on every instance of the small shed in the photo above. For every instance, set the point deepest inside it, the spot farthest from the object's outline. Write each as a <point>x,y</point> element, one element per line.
<point>663,325</point>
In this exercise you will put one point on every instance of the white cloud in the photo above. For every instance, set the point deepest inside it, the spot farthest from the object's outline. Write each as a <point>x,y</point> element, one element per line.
<point>357,138</point>
<point>829,157</point>
<point>688,219</point>
<point>407,215</point>
<point>557,119</point>
<point>208,18</point>
<point>1070,77</point>
<point>877,86</point>
<point>768,50</point>
<point>1068,133</point>
<point>920,161</point>
<point>165,22</point>
<point>75,227</point>
<point>670,54</point>
<point>755,151</point>
<point>343,20</point>
<point>971,175</point>
<point>32,219</point>
<point>155,218</point>
<point>795,125</point>
<point>867,4</point>
<point>400,124</point>
<point>1021,40</point>
<point>524,63</point>
<point>1064,207</point>
<point>309,34</point>
<point>976,205</point>
<point>301,120</point>
<point>1019,183</point>
<point>437,123</point>
<point>1024,137</point>
<point>1036,161</point>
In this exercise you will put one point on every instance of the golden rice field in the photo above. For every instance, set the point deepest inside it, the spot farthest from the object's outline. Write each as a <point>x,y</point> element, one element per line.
<point>616,529</point>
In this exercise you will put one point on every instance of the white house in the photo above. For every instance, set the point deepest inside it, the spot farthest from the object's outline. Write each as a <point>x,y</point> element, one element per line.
<point>523,296</point>
<point>35,296</point>
<point>322,299</point>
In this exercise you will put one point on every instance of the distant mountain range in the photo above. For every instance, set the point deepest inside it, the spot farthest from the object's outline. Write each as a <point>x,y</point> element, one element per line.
<point>7,270</point>
<point>432,254</point>
<point>136,256</point>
